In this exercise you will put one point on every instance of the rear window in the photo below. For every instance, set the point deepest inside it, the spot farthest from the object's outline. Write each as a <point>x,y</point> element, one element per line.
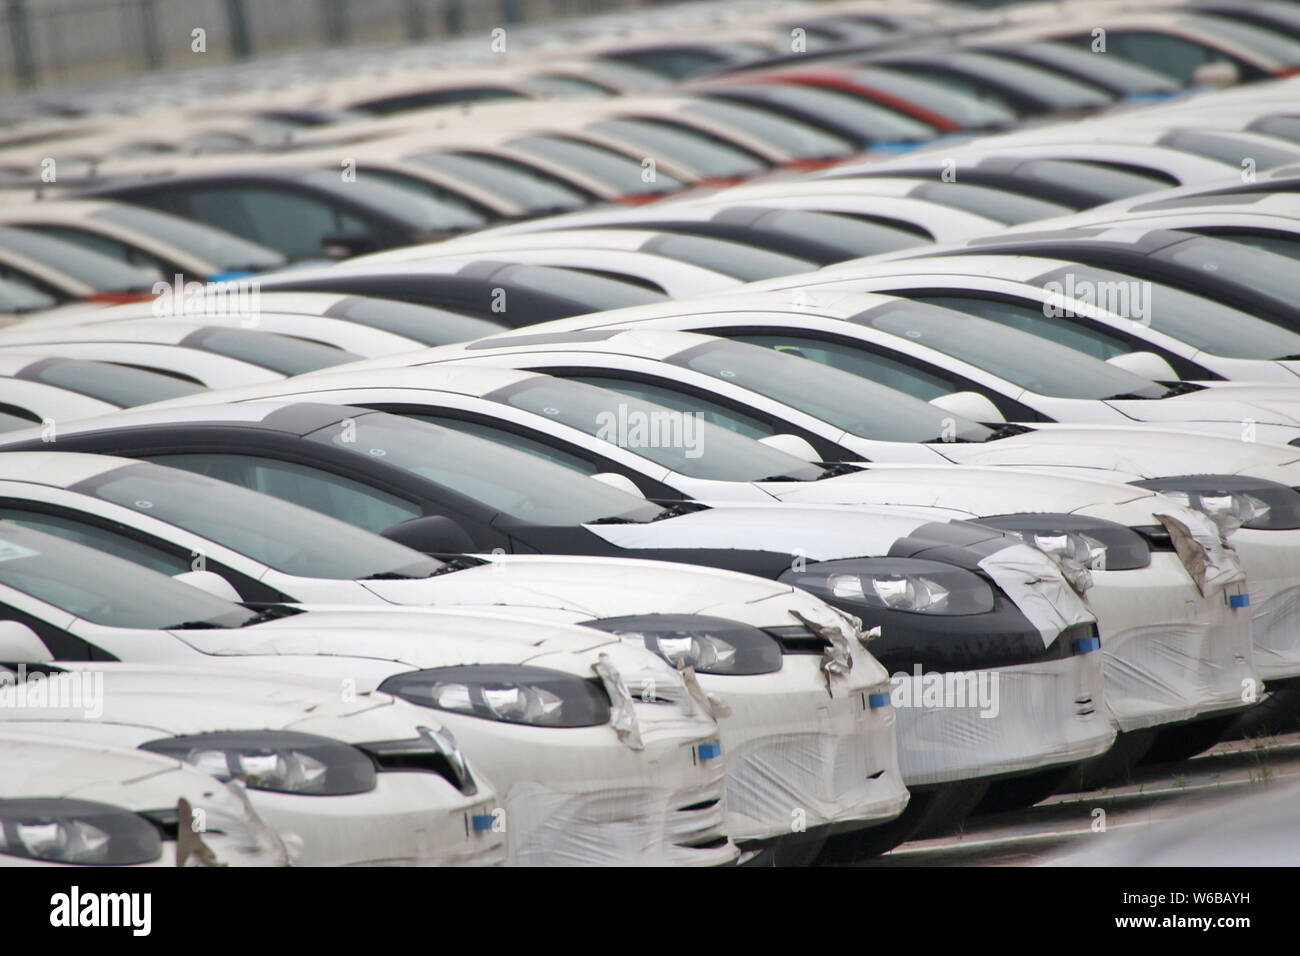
<point>117,384</point>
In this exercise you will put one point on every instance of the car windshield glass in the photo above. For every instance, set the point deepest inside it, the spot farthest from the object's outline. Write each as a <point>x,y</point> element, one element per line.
<point>223,250</point>
<point>104,589</point>
<point>846,401</point>
<point>853,237</point>
<point>1231,149</point>
<point>705,155</point>
<point>596,292</point>
<point>618,172</point>
<point>1284,49</point>
<point>1261,272</point>
<point>1106,72</point>
<point>679,441</point>
<point>965,110</point>
<point>501,478</point>
<point>531,189</point>
<point>269,530</point>
<point>1105,182</point>
<point>795,137</point>
<point>997,204</point>
<point>1204,323</point>
<point>18,296</point>
<point>417,210</point>
<point>1022,359</point>
<point>279,353</point>
<point>422,323</point>
<point>94,269</point>
<point>735,259</point>
<point>118,384</point>
<point>871,122</point>
<point>1060,91</point>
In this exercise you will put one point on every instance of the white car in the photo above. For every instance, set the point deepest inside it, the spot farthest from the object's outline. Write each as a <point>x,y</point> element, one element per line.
<point>467,494</point>
<point>786,741</point>
<point>40,389</point>
<point>559,420</point>
<point>212,356</point>
<point>343,779</point>
<point>1157,330</point>
<point>588,773</point>
<point>73,803</point>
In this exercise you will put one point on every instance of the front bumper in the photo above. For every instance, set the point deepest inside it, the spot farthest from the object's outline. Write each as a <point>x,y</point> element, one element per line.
<point>1170,654</point>
<point>982,723</point>
<point>1272,563</point>
<point>798,758</point>
<point>409,819</point>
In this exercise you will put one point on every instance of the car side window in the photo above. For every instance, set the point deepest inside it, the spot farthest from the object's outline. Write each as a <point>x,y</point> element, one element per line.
<point>1076,333</point>
<point>714,412</point>
<point>512,439</point>
<point>334,495</point>
<point>106,245</point>
<point>124,546</point>
<point>1176,56</point>
<point>289,222</point>
<point>896,374</point>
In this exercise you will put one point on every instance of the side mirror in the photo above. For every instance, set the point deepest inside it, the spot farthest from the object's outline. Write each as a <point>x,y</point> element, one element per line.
<point>1217,73</point>
<point>211,583</point>
<point>970,405</point>
<point>432,534</point>
<point>345,245</point>
<point>621,482</point>
<point>792,445</point>
<point>1147,364</point>
<point>20,645</point>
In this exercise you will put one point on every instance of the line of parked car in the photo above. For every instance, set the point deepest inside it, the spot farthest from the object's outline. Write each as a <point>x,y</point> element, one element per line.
<point>766,448</point>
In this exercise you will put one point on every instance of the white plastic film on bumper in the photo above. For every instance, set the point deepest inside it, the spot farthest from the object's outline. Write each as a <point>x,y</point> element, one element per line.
<point>955,726</point>
<point>1034,582</point>
<point>1272,562</point>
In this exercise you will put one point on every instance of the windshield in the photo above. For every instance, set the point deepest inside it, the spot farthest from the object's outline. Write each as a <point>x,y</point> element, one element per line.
<point>417,210</point>
<point>1022,359</point>
<point>735,259</point>
<point>795,137</point>
<point>532,189</point>
<point>997,204</point>
<point>1060,92</point>
<point>706,155</point>
<point>846,401</point>
<point>501,478</point>
<point>279,353</point>
<point>118,384</point>
<point>1262,272</point>
<point>94,269</point>
<point>1106,72</point>
<point>596,292</point>
<point>18,296</point>
<point>269,530</point>
<point>962,109</point>
<point>853,237</point>
<point>1231,149</point>
<point>220,248</point>
<point>875,124</point>
<point>679,441</point>
<point>423,323</point>
<point>1200,322</point>
<point>1101,180</point>
<point>104,589</point>
<point>617,171</point>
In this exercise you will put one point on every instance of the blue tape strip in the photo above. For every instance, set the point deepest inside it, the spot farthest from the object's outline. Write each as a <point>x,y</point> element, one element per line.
<point>1085,644</point>
<point>482,821</point>
<point>1238,600</point>
<point>879,699</point>
<point>710,750</point>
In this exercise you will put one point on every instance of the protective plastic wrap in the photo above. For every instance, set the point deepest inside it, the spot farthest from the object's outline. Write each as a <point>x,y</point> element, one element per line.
<point>1272,563</point>
<point>1191,654</point>
<point>1049,602</point>
<point>954,726</point>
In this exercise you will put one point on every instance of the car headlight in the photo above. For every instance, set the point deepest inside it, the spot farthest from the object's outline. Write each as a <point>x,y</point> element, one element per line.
<point>1234,501</point>
<point>711,645</point>
<point>896,584</point>
<point>513,694</point>
<point>1094,543</point>
<point>81,832</point>
<point>277,760</point>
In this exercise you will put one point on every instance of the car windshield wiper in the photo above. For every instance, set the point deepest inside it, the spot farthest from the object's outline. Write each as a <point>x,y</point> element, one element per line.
<point>678,508</point>
<point>271,612</point>
<point>837,468</point>
<point>194,626</point>
<point>458,562</point>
